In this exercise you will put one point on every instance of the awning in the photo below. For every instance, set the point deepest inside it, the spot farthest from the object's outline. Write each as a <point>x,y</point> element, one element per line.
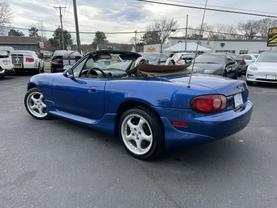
<point>191,47</point>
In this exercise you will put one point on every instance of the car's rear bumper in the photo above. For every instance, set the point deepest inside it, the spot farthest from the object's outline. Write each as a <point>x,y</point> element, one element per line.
<point>206,128</point>
<point>55,67</point>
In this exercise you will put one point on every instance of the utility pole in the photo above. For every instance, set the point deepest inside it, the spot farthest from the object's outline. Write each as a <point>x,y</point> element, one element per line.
<point>186,37</point>
<point>136,32</point>
<point>61,21</point>
<point>77,26</point>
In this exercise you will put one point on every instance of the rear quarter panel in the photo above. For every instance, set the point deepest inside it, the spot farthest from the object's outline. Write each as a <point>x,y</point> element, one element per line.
<point>153,93</point>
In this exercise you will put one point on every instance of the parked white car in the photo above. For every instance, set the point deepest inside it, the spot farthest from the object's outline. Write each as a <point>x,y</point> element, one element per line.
<point>6,66</point>
<point>249,58</point>
<point>183,58</point>
<point>27,61</point>
<point>264,69</point>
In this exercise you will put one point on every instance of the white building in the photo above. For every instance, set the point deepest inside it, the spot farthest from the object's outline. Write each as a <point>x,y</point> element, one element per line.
<point>233,46</point>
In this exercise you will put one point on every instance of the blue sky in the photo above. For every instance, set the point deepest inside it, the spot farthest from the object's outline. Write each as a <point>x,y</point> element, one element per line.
<point>126,15</point>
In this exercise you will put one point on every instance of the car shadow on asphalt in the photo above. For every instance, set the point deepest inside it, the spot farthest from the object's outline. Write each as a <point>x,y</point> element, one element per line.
<point>6,78</point>
<point>221,151</point>
<point>264,85</point>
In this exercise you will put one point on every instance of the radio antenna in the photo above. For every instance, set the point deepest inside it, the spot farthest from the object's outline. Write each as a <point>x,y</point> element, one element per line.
<point>198,40</point>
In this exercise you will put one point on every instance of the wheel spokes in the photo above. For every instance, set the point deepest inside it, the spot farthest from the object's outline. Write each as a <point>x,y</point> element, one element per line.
<point>146,137</point>
<point>33,99</point>
<point>131,125</point>
<point>36,104</point>
<point>138,134</point>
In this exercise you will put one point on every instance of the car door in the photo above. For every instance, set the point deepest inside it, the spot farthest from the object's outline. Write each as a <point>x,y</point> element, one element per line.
<point>81,96</point>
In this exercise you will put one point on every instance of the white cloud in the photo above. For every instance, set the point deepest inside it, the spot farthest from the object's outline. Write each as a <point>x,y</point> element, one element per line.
<point>124,15</point>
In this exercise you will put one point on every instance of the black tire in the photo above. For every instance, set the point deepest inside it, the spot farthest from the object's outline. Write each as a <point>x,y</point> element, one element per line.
<point>250,83</point>
<point>157,147</point>
<point>36,71</point>
<point>53,69</point>
<point>33,90</point>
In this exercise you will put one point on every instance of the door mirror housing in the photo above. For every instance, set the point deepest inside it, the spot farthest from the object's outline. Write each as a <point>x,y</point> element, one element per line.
<point>69,73</point>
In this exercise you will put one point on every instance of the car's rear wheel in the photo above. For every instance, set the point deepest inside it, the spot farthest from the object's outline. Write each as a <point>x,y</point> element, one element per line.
<point>35,104</point>
<point>141,133</point>
<point>249,82</point>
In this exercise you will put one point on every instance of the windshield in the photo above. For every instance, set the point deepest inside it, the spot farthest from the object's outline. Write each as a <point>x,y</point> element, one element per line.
<point>215,59</point>
<point>268,57</point>
<point>109,62</point>
<point>112,65</point>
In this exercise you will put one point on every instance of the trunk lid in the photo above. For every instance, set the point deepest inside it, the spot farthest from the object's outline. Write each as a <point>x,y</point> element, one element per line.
<point>219,84</point>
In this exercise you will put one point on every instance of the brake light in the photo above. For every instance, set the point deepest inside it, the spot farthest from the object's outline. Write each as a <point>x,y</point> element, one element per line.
<point>209,103</point>
<point>242,62</point>
<point>30,59</point>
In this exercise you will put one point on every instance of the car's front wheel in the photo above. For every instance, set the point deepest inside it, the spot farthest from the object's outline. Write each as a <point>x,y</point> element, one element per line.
<point>35,104</point>
<point>141,133</point>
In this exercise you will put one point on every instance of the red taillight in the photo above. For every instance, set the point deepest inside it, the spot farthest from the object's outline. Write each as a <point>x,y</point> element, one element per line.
<point>30,59</point>
<point>209,103</point>
<point>242,62</point>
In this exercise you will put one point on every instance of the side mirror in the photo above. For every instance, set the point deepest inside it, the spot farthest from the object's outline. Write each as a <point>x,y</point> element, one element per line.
<point>69,74</point>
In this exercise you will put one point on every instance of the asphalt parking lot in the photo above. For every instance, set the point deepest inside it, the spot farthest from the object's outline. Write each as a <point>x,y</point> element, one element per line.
<point>57,163</point>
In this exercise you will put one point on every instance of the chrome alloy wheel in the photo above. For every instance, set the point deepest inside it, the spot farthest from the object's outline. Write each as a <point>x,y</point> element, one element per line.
<point>35,104</point>
<point>136,134</point>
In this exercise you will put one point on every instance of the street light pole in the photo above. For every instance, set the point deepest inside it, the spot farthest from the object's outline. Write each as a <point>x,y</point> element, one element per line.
<point>77,26</point>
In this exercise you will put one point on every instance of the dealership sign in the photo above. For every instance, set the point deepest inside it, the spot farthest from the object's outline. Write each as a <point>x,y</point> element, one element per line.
<point>272,37</point>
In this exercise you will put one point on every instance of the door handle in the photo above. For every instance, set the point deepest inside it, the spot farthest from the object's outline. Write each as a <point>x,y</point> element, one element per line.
<point>92,90</point>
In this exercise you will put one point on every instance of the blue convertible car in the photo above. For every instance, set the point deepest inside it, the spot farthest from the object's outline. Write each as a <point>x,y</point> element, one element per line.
<point>152,108</point>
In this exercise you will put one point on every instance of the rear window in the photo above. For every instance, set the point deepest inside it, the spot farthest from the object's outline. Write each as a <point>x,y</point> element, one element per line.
<point>247,57</point>
<point>217,59</point>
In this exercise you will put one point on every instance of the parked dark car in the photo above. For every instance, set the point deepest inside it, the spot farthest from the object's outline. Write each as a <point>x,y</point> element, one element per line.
<point>217,64</point>
<point>155,58</point>
<point>62,58</point>
<point>242,65</point>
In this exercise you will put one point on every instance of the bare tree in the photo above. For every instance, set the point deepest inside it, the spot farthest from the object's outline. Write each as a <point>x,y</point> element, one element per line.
<point>264,25</point>
<point>161,29</point>
<point>249,29</point>
<point>5,15</point>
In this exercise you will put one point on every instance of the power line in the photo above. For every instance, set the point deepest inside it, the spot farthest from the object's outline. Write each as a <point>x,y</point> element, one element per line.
<point>138,32</point>
<point>224,7</point>
<point>209,8</point>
